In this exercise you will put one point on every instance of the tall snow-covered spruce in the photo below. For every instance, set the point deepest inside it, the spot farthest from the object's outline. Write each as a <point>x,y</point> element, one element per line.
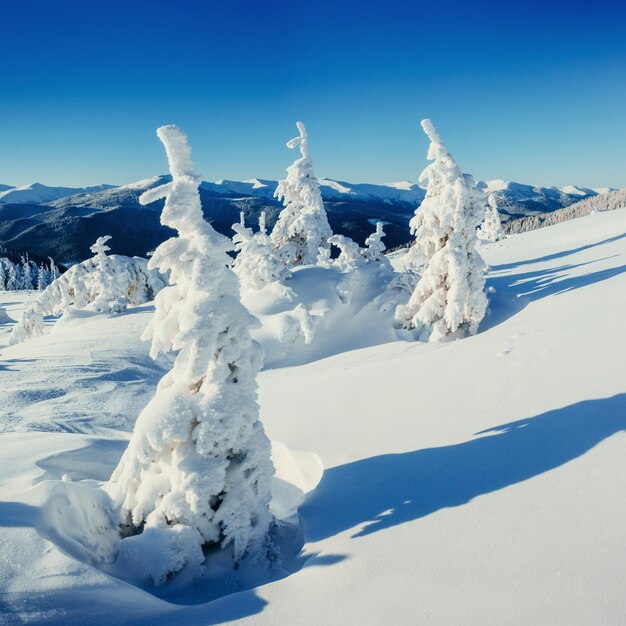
<point>449,298</point>
<point>302,227</point>
<point>196,474</point>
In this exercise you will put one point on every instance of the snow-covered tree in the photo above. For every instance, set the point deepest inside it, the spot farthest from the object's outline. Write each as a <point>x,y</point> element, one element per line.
<point>491,228</point>
<point>127,282</point>
<point>31,325</point>
<point>109,283</point>
<point>43,277</point>
<point>54,270</point>
<point>13,281</point>
<point>302,227</point>
<point>350,255</point>
<point>374,245</point>
<point>449,298</point>
<point>256,263</point>
<point>197,469</point>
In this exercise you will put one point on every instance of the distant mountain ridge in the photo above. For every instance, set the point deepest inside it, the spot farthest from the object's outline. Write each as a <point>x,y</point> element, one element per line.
<point>63,222</point>
<point>36,193</point>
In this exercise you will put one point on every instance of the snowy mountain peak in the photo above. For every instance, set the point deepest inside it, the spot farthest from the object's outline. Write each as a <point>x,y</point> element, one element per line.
<point>36,193</point>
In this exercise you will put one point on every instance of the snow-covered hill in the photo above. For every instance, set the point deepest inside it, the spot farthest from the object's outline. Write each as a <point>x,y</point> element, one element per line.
<point>36,193</point>
<point>510,194</point>
<point>609,201</point>
<point>476,482</point>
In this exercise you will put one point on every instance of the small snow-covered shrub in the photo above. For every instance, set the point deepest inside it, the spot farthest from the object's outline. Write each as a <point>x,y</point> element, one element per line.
<point>491,228</point>
<point>102,283</point>
<point>256,263</point>
<point>350,253</point>
<point>449,298</point>
<point>197,469</point>
<point>302,227</point>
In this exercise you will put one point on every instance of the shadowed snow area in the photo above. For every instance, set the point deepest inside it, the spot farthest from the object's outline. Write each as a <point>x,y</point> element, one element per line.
<point>479,481</point>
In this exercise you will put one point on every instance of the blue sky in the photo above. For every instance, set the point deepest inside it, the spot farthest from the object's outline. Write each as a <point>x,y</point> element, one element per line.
<point>532,91</point>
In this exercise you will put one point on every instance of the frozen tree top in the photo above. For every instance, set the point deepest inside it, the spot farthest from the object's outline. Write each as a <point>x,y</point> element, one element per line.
<point>302,141</point>
<point>100,247</point>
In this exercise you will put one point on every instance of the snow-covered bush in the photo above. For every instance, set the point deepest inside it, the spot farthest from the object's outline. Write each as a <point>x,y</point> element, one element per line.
<point>197,469</point>
<point>302,227</point>
<point>375,248</point>
<point>449,298</point>
<point>491,228</point>
<point>31,325</point>
<point>256,263</point>
<point>350,255</point>
<point>102,283</point>
<point>113,286</point>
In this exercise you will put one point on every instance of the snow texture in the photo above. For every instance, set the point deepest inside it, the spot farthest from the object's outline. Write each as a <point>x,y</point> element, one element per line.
<point>449,298</point>
<point>197,469</point>
<point>302,227</point>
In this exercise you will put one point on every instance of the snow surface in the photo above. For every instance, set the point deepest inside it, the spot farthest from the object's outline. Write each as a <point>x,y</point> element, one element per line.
<point>481,481</point>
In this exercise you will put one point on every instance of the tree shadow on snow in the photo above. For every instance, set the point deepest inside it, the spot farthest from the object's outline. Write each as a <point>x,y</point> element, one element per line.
<point>513,292</point>
<point>384,491</point>
<point>560,255</point>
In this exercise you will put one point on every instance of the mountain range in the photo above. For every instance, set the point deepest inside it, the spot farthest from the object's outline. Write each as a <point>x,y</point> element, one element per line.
<point>63,222</point>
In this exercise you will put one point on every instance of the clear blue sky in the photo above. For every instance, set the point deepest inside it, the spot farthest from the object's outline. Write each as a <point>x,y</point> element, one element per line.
<point>530,91</point>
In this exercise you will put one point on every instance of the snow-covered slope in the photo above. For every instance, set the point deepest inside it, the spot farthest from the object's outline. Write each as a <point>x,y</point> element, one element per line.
<point>36,193</point>
<point>475,482</point>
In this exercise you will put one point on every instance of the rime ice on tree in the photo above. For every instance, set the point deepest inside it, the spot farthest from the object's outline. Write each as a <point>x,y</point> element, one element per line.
<point>256,263</point>
<point>449,298</point>
<point>196,472</point>
<point>302,227</point>
<point>491,228</point>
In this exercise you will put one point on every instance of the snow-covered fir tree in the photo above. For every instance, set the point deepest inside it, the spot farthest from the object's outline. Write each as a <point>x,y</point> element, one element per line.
<point>302,227</point>
<point>256,263</point>
<point>108,284</point>
<point>449,298</point>
<point>197,469</point>
<point>102,283</point>
<point>491,228</point>
<point>54,270</point>
<point>13,281</point>
<point>25,274</point>
<point>350,256</point>
<point>374,246</point>
<point>43,277</point>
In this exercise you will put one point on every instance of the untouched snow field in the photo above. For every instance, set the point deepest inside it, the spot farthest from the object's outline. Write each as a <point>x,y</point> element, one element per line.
<point>481,481</point>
